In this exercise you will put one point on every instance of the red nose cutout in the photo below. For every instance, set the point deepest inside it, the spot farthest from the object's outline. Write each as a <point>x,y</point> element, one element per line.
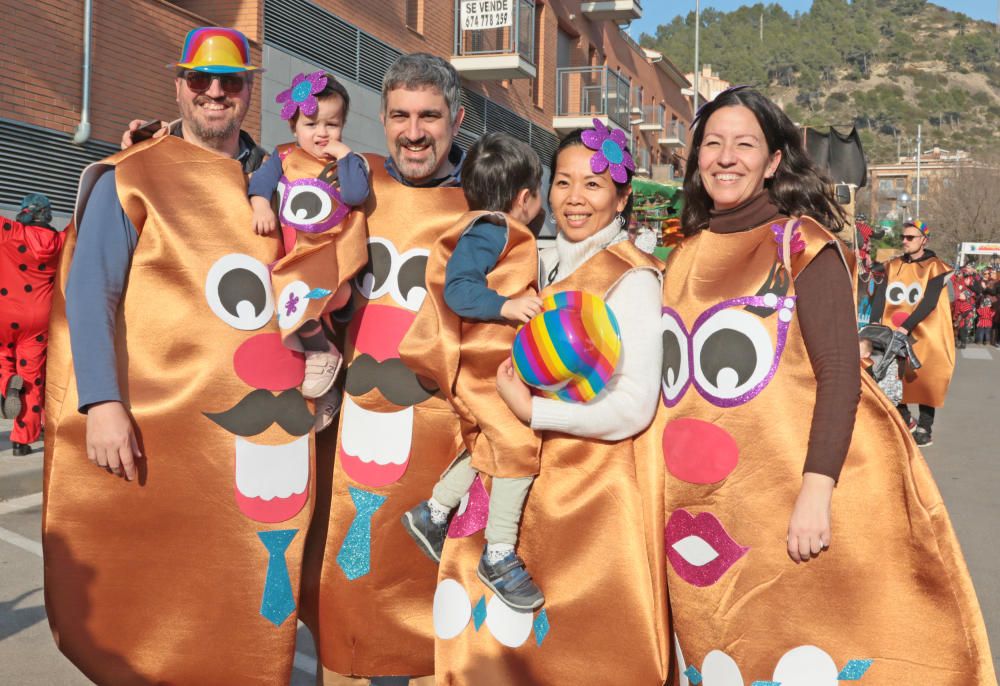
<point>377,330</point>
<point>698,452</point>
<point>898,317</point>
<point>263,362</point>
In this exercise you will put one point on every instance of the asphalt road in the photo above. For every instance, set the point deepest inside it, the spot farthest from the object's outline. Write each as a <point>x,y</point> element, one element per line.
<point>964,458</point>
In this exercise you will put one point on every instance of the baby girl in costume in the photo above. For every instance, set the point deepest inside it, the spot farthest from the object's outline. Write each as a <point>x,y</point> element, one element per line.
<point>460,337</point>
<point>318,180</point>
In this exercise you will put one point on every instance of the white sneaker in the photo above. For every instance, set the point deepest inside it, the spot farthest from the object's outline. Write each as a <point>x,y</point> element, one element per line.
<point>321,372</point>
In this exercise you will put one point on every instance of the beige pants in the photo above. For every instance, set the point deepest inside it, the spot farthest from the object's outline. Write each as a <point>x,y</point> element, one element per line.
<point>506,499</point>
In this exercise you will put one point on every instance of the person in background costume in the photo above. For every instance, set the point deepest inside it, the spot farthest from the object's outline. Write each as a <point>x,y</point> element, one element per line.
<point>984,320</point>
<point>775,575</point>
<point>166,368</point>
<point>916,303</point>
<point>29,255</point>
<point>318,180</point>
<point>588,529</point>
<point>490,244</point>
<point>367,589</point>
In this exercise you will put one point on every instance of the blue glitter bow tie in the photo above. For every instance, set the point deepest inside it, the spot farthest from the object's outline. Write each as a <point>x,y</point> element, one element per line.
<point>356,551</point>
<point>278,602</point>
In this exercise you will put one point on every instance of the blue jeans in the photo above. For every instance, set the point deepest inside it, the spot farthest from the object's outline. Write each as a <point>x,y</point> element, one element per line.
<point>983,334</point>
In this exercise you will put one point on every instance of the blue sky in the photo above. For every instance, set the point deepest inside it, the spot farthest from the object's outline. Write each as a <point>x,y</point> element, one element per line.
<point>656,12</point>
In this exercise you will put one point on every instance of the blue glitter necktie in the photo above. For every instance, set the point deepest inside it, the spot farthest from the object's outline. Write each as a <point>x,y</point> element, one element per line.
<point>278,601</point>
<point>356,551</point>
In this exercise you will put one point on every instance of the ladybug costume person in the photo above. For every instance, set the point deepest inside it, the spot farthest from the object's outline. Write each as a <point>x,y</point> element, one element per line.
<point>29,253</point>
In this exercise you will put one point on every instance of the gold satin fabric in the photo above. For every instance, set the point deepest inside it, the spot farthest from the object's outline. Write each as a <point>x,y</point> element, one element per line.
<point>318,260</point>
<point>935,336</point>
<point>892,587</point>
<point>462,357</point>
<point>585,540</point>
<point>160,581</point>
<point>379,624</point>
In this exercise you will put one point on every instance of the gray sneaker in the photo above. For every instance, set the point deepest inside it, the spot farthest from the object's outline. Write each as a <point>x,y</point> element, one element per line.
<point>428,535</point>
<point>511,583</point>
<point>923,437</point>
<point>10,406</point>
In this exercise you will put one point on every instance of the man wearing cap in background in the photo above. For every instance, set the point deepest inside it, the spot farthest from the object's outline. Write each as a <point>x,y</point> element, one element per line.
<point>915,283</point>
<point>29,256</point>
<point>178,455</point>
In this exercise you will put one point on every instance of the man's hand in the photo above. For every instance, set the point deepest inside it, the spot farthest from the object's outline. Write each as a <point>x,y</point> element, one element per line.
<point>264,221</point>
<point>521,309</point>
<point>336,150</point>
<point>135,124</point>
<point>809,528</point>
<point>111,443</point>
<point>513,391</point>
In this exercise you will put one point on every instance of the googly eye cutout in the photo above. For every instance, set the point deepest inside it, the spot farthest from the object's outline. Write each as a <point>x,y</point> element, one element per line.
<point>238,291</point>
<point>376,278</point>
<point>914,293</point>
<point>733,353</point>
<point>895,292</point>
<point>311,205</point>
<point>676,371</point>
<point>410,285</point>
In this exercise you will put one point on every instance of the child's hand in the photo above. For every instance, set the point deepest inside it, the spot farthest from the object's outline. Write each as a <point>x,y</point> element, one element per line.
<point>521,309</point>
<point>336,150</point>
<point>809,528</point>
<point>513,391</point>
<point>264,221</point>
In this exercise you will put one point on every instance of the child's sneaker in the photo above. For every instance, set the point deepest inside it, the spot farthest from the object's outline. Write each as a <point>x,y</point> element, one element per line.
<point>321,371</point>
<point>511,583</point>
<point>923,437</point>
<point>327,407</point>
<point>10,405</point>
<point>428,535</point>
<point>911,424</point>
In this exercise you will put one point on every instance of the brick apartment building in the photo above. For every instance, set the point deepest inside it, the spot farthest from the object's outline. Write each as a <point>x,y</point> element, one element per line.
<point>555,66</point>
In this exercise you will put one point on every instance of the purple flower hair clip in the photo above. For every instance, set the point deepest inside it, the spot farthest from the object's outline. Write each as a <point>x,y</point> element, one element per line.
<point>612,151</point>
<point>302,95</point>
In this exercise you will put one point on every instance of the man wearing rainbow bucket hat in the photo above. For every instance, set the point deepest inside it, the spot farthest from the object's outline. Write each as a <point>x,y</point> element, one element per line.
<point>177,559</point>
<point>915,282</point>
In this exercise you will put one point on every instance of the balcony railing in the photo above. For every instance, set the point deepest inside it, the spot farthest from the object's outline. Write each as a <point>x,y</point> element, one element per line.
<point>674,135</point>
<point>583,93</point>
<point>496,52</point>
<point>642,162</point>
<point>652,118</point>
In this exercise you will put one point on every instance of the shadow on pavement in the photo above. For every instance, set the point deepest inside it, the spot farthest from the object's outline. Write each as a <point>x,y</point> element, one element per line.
<point>14,619</point>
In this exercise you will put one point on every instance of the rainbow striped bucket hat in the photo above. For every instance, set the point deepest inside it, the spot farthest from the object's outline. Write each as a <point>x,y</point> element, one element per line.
<point>216,50</point>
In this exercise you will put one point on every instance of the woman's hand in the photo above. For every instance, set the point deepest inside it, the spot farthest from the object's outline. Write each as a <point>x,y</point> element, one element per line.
<point>513,391</point>
<point>809,527</point>
<point>111,442</point>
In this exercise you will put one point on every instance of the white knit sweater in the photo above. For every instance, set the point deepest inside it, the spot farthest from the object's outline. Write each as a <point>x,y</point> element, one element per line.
<point>627,404</point>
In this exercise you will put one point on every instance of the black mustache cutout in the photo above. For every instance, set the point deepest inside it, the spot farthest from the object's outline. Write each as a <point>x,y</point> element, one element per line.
<point>394,379</point>
<point>260,408</point>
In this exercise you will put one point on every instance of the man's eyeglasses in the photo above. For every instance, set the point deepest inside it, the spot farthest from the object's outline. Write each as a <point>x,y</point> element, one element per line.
<point>911,237</point>
<point>200,81</point>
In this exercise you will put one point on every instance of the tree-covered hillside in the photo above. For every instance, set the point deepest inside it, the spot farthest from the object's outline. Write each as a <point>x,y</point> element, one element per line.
<point>886,65</point>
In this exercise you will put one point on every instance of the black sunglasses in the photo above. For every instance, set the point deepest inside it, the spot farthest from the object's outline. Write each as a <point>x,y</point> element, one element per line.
<point>200,81</point>
<point>911,238</point>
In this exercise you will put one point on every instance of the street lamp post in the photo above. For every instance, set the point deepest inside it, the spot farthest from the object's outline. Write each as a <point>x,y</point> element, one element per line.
<point>904,201</point>
<point>697,46</point>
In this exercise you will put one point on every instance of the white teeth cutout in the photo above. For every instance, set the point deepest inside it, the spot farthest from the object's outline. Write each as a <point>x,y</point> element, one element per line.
<point>695,550</point>
<point>379,437</point>
<point>272,471</point>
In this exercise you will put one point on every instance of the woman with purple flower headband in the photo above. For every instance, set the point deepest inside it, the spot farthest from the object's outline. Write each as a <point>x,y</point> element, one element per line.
<point>316,181</point>
<point>764,411</point>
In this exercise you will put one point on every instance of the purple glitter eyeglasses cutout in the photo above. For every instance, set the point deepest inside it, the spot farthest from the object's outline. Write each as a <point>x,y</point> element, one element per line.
<point>689,371</point>
<point>310,205</point>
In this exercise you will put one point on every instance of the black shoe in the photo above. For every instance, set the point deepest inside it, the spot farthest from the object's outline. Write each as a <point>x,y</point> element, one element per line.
<point>10,406</point>
<point>923,437</point>
<point>20,449</point>
<point>422,529</point>
<point>511,583</point>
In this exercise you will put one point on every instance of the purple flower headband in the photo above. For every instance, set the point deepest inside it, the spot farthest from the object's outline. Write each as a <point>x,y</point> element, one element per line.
<point>302,95</point>
<point>612,151</point>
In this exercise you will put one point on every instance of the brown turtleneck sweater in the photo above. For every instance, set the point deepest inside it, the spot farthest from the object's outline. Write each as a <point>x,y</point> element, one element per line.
<point>829,328</point>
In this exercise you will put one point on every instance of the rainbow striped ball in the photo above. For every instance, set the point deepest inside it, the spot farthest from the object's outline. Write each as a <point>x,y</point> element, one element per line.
<point>571,349</point>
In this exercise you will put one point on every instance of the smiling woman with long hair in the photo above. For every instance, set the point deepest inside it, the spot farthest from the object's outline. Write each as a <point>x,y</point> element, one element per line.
<point>775,574</point>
